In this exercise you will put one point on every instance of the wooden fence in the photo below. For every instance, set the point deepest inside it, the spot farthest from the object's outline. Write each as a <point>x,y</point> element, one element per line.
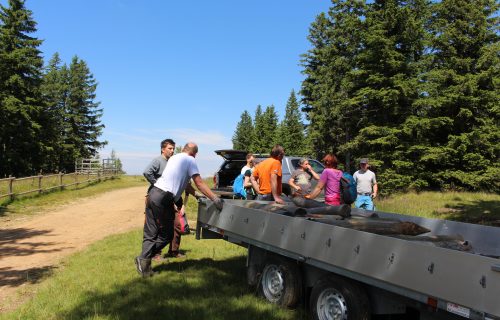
<point>13,187</point>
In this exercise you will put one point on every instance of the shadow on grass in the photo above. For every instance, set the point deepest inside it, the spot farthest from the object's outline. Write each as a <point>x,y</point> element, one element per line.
<point>216,293</point>
<point>485,212</point>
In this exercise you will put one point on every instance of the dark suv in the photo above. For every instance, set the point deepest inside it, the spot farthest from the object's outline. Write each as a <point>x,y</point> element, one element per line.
<point>234,160</point>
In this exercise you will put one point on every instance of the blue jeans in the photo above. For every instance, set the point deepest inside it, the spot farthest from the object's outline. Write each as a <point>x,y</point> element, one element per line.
<point>364,202</point>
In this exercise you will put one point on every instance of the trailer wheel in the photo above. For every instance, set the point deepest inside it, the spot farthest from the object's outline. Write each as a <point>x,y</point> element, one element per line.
<point>280,282</point>
<point>335,298</point>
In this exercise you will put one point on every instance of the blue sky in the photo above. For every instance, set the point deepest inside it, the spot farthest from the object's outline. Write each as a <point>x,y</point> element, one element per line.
<point>179,69</point>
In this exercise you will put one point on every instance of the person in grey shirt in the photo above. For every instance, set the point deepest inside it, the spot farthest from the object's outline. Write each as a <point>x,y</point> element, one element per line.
<point>154,170</point>
<point>366,186</point>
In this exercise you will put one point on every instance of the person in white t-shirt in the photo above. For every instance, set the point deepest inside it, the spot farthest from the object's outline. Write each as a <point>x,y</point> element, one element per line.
<point>366,186</point>
<point>167,193</point>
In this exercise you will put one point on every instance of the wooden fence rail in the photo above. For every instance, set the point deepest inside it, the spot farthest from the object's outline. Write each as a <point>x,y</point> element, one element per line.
<point>12,187</point>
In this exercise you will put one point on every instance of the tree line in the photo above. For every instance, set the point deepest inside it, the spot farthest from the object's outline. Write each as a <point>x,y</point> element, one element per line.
<point>49,116</point>
<point>260,133</point>
<point>413,85</point>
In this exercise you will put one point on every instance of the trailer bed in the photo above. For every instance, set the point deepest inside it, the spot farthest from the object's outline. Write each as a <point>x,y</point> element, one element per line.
<point>464,283</point>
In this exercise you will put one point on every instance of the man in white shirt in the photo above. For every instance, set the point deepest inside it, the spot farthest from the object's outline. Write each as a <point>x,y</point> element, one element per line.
<point>366,186</point>
<point>167,192</point>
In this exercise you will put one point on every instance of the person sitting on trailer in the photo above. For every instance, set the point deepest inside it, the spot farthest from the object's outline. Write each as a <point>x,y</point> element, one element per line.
<point>266,178</point>
<point>330,180</point>
<point>301,178</point>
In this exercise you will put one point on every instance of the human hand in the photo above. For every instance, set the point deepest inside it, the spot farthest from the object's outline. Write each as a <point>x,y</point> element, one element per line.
<point>374,195</point>
<point>218,203</point>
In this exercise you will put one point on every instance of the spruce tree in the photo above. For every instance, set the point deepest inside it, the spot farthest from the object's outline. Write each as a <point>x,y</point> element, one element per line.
<point>457,119</point>
<point>20,102</point>
<point>291,130</point>
<point>244,134</point>
<point>259,143</point>
<point>330,66</point>
<point>82,112</point>
<point>54,89</point>
<point>387,86</point>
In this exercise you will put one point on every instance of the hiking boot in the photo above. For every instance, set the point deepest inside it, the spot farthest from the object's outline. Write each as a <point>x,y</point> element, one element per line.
<point>159,258</point>
<point>143,267</point>
<point>175,255</point>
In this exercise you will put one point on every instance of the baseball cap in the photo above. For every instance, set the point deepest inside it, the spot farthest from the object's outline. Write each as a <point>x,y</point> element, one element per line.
<point>363,160</point>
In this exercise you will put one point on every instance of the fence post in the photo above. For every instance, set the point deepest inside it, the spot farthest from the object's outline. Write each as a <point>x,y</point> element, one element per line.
<point>11,187</point>
<point>40,184</point>
<point>76,179</point>
<point>61,181</point>
<point>99,175</point>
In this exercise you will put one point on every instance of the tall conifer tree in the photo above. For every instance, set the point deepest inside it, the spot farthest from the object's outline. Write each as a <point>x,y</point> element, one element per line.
<point>244,135</point>
<point>291,130</point>
<point>457,119</point>
<point>20,102</point>
<point>82,111</point>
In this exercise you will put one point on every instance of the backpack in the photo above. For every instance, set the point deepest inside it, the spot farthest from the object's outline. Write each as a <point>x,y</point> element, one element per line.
<point>238,188</point>
<point>348,190</point>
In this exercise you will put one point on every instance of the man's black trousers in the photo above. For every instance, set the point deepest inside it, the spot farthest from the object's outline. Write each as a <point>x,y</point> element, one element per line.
<point>159,224</point>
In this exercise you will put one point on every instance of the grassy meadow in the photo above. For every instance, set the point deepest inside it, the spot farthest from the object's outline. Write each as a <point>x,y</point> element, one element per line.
<point>100,282</point>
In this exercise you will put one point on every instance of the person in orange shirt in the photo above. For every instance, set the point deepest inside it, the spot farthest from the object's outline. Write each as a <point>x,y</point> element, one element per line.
<point>266,177</point>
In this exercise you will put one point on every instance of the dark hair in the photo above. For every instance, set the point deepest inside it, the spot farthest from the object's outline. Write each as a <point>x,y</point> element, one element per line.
<point>249,155</point>
<point>277,151</point>
<point>167,141</point>
<point>330,161</point>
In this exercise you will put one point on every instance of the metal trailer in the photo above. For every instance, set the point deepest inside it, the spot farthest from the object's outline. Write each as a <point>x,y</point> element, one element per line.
<point>351,274</point>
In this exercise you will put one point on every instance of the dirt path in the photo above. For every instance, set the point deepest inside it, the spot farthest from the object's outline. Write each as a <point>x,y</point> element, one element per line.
<point>31,248</point>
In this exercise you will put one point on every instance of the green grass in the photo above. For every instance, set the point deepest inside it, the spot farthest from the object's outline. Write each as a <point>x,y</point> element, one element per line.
<point>101,283</point>
<point>479,208</point>
<point>29,205</point>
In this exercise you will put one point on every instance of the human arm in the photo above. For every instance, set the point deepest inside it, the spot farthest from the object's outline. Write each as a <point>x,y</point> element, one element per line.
<point>152,170</point>
<point>316,190</point>
<point>312,172</point>
<point>375,190</point>
<point>292,184</point>
<point>200,185</point>
<point>254,183</point>
<point>274,189</point>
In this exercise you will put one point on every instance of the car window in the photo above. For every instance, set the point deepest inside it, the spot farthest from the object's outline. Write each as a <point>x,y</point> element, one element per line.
<point>295,163</point>
<point>317,166</point>
<point>233,165</point>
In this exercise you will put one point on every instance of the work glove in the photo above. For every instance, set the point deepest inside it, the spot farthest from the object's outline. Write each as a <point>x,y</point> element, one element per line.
<point>218,203</point>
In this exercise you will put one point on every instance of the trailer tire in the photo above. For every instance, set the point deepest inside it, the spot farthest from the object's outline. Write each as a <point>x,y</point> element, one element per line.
<point>335,298</point>
<point>280,282</point>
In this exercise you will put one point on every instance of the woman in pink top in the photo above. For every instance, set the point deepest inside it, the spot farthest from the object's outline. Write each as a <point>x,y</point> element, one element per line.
<point>330,181</point>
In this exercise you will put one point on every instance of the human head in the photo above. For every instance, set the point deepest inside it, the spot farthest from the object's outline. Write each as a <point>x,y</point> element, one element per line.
<point>330,161</point>
<point>363,163</point>
<point>303,162</point>
<point>250,159</point>
<point>277,152</point>
<point>167,148</point>
<point>191,149</point>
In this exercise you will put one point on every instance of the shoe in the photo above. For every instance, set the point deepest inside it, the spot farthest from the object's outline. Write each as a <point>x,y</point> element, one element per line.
<point>143,267</point>
<point>159,258</point>
<point>176,255</point>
